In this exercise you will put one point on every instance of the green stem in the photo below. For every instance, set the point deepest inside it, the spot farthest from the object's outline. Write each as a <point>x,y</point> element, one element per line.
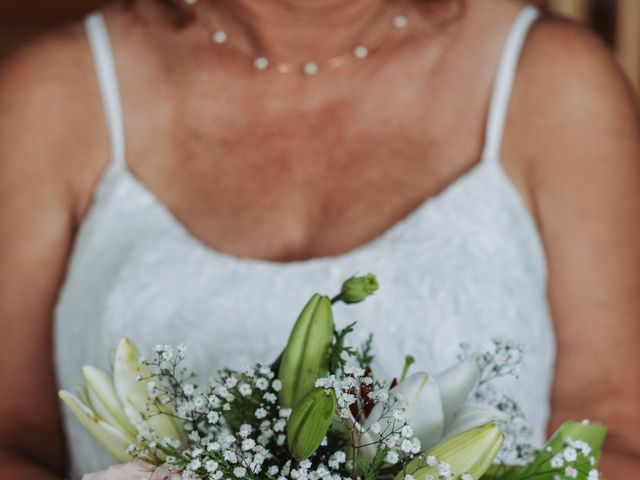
<point>408,361</point>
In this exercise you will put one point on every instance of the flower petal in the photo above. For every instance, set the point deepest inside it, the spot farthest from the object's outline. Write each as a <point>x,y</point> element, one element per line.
<point>104,399</point>
<point>472,415</point>
<point>114,441</point>
<point>456,383</point>
<point>133,394</point>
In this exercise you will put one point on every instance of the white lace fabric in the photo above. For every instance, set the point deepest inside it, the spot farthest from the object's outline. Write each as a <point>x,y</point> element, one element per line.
<point>467,265</point>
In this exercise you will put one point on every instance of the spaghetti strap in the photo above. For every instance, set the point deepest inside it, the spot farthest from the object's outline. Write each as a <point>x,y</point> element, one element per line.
<point>503,83</point>
<point>108,82</point>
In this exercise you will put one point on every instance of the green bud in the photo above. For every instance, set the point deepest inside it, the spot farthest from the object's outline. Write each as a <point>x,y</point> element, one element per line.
<point>309,422</point>
<point>306,356</point>
<point>471,452</point>
<point>356,289</point>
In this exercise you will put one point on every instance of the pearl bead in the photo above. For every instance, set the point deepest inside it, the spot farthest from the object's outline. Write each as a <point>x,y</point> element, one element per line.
<point>360,51</point>
<point>219,36</point>
<point>310,68</point>
<point>261,63</point>
<point>190,2</point>
<point>400,21</point>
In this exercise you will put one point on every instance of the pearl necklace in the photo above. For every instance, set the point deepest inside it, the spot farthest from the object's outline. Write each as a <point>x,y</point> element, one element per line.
<point>309,68</point>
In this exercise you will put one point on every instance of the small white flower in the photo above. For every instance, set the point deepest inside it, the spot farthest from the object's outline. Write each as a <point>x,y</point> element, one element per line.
<point>406,431</point>
<point>230,456</point>
<point>466,476</point>
<point>262,383</point>
<point>398,415</point>
<point>188,389</point>
<point>245,430</point>
<point>270,397</point>
<point>376,427</point>
<point>248,444</point>
<point>244,389</point>
<point>444,469</point>
<point>570,454</point>
<point>273,470</point>
<point>593,475</point>
<point>211,466</point>
<point>557,461</point>
<point>406,446</point>
<point>392,457</point>
<point>432,461</point>
<point>213,417</point>
<point>408,477</point>
<point>276,385</point>
<point>239,472</point>
<point>260,413</point>
<point>571,472</point>
<point>231,382</point>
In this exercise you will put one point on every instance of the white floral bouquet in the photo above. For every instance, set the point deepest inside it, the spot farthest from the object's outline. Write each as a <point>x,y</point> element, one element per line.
<point>319,412</point>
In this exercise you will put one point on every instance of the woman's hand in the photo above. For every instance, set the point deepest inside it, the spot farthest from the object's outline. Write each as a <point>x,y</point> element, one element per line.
<point>133,471</point>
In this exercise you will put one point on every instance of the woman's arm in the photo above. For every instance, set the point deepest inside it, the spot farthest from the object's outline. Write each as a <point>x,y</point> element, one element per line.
<point>42,106</point>
<point>573,120</point>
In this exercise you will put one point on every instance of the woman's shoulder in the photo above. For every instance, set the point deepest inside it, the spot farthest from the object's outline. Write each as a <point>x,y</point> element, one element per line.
<point>568,89</point>
<point>50,112</point>
<point>572,123</point>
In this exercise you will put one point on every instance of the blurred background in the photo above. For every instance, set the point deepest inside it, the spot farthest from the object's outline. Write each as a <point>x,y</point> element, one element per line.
<point>617,21</point>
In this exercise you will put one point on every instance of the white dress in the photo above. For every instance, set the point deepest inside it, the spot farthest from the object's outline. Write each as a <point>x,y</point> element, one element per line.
<point>467,265</point>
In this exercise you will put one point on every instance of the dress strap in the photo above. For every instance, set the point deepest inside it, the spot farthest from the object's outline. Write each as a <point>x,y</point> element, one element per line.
<point>108,82</point>
<point>503,83</point>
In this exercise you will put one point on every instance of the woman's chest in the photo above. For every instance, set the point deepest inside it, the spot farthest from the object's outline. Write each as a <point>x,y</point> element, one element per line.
<point>283,180</point>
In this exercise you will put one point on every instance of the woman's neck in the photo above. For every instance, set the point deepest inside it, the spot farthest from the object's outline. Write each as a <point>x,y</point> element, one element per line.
<point>301,30</point>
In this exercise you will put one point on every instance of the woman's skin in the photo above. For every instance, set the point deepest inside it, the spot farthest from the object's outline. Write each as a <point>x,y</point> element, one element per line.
<point>317,166</point>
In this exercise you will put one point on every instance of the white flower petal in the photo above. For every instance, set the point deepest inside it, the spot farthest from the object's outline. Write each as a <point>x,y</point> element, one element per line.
<point>472,415</point>
<point>114,441</point>
<point>456,383</point>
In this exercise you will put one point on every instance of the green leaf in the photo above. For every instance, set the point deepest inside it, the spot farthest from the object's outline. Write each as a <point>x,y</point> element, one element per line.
<point>540,468</point>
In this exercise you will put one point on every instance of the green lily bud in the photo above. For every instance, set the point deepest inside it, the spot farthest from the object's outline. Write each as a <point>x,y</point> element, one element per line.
<point>305,358</point>
<point>309,422</point>
<point>471,452</point>
<point>356,289</point>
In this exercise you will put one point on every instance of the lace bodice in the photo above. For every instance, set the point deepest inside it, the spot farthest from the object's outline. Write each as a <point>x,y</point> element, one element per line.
<point>465,266</point>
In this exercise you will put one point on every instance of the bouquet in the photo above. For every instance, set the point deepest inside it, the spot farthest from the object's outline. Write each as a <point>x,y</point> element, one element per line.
<point>320,412</point>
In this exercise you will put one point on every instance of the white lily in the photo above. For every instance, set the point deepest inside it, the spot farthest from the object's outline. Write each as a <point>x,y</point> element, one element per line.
<point>116,408</point>
<point>435,406</point>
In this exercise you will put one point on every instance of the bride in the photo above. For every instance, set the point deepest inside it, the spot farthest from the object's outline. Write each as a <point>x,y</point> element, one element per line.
<point>192,171</point>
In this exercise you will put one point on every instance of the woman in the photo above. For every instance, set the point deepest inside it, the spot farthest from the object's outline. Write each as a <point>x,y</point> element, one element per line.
<point>241,189</point>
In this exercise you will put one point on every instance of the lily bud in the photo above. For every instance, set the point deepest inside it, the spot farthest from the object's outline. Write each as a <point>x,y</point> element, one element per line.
<point>102,396</point>
<point>114,441</point>
<point>116,408</point>
<point>306,356</point>
<point>471,453</point>
<point>356,289</point>
<point>131,378</point>
<point>309,422</point>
